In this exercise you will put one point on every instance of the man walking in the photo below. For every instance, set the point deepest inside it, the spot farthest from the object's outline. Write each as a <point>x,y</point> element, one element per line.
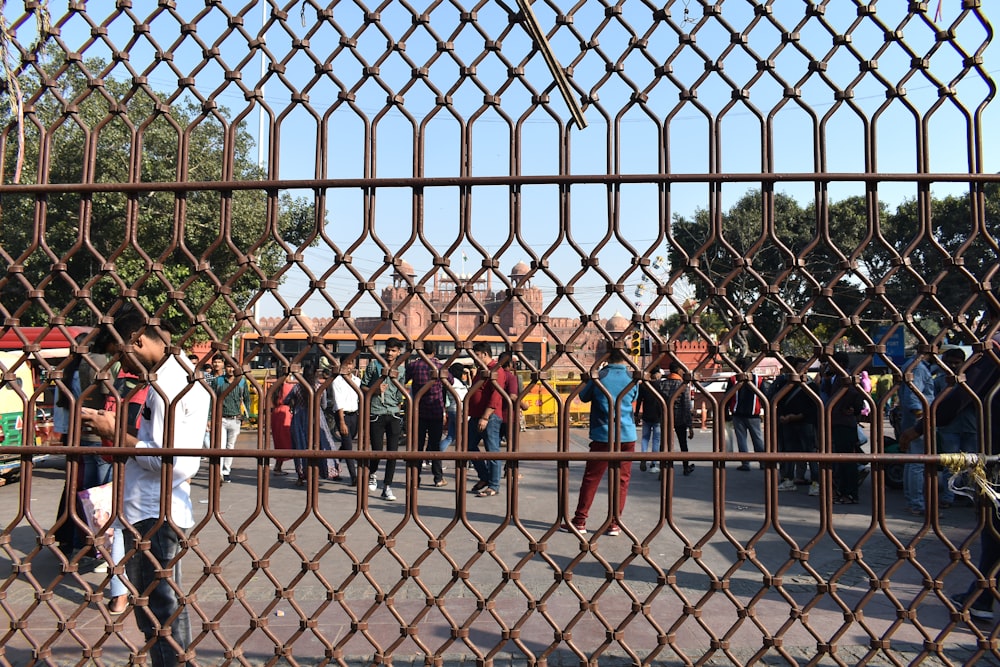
<point>611,421</point>
<point>346,404</point>
<point>234,396</point>
<point>915,396</point>
<point>982,377</point>
<point>676,392</point>
<point>485,416</point>
<point>386,427</point>
<point>180,407</point>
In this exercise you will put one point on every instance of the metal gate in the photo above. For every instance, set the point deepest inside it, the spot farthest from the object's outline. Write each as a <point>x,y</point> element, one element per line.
<point>745,189</point>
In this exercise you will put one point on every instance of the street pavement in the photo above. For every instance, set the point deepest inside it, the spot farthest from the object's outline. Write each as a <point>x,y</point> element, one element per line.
<point>748,575</point>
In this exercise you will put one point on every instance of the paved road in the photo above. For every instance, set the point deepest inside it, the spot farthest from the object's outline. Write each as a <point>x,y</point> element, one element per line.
<point>442,573</point>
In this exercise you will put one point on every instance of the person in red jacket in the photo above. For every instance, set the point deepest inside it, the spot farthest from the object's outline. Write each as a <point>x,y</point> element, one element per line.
<point>746,410</point>
<point>486,403</point>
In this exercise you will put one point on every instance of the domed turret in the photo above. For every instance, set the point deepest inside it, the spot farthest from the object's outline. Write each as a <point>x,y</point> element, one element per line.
<point>520,270</point>
<point>405,270</point>
<point>617,323</point>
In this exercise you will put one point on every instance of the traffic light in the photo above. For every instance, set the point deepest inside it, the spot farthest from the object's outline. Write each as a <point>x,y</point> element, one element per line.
<point>635,344</point>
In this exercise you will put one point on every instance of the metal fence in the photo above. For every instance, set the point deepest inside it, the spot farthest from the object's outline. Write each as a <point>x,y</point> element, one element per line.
<point>775,181</point>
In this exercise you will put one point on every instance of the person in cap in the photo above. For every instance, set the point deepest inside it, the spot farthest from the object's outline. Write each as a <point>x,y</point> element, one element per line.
<point>982,379</point>
<point>612,399</point>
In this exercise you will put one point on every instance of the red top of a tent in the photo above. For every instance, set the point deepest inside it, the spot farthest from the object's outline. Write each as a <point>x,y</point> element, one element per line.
<point>45,337</point>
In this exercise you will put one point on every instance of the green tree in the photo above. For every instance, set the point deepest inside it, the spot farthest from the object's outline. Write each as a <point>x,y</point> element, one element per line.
<point>731,264</point>
<point>942,257</point>
<point>676,328</point>
<point>842,270</point>
<point>201,256</point>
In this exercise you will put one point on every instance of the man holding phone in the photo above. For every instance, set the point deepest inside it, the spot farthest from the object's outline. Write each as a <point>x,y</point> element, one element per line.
<point>174,400</point>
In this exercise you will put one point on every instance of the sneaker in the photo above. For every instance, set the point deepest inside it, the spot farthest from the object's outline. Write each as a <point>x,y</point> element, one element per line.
<point>387,494</point>
<point>863,472</point>
<point>980,610</point>
<point>653,469</point>
<point>787,485</point>
<point>226,479</point>
<point>88,564</point>
<point>688,469</point>
<point>567,528</point>
<point>101,567</point>
<point>814,489</point>
<point>642,466</point>
<point>744,468</point>
<point>613,531</point>
<point>372,483</point>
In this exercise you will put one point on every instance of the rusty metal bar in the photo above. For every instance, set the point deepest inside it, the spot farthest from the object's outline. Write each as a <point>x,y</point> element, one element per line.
<point>513,181</point>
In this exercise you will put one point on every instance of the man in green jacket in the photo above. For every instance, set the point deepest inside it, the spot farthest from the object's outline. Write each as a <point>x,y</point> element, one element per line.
<point>386,414</point>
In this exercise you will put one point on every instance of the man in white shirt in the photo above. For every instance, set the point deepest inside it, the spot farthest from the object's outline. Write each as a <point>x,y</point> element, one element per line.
<point>346,403</point>
<point>174,399</point>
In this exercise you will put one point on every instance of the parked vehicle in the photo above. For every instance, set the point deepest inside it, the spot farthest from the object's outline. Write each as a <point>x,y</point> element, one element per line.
<point>15,400</point>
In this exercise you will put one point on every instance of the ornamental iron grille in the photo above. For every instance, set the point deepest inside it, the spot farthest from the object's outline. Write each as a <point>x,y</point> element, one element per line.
<point>745,188</point>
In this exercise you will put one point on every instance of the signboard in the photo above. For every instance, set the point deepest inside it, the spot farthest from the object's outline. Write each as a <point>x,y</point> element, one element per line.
<point>895,347</point>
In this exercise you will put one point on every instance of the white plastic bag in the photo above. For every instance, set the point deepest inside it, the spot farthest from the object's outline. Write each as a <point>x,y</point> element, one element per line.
<point>97,506</point>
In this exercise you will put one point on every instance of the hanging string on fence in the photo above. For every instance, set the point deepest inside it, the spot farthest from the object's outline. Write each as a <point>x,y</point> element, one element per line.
<point>971,478</point>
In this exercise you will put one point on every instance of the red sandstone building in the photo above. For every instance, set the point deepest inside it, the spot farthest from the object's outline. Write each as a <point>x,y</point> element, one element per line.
<point>467,309</point>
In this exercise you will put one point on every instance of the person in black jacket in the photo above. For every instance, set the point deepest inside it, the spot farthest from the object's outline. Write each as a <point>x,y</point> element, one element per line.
<point>676,393</point>
<point>649,407</point>
<point>89,384</point>
<point>796,406</point>
<point>845,402</point>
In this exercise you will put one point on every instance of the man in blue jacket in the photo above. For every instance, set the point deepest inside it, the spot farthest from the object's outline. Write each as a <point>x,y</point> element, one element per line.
<point>915,395</point>
<point>982,376</point>
<point>611,422</point>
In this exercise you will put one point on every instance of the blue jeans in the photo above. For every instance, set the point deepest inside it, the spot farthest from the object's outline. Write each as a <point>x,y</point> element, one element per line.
<point>913,477</point>
<point>142,570</point>
<point>742,424</point>
<point>488,471</point>
<point>117,554</point>
<point>96,470</point>
<point>952,443</point>
<point>449,439</point>
<point>651,437</point>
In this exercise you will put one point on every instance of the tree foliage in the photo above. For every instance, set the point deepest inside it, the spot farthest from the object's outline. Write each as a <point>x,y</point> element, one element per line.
<point>778,272</point>
<point>199,255</point>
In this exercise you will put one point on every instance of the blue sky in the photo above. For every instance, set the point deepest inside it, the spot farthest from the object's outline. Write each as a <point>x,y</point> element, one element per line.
<point>626,142</point>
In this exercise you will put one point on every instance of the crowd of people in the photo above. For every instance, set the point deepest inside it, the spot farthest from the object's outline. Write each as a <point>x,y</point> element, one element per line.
<point>797,397</point>
<point>327,399</point>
